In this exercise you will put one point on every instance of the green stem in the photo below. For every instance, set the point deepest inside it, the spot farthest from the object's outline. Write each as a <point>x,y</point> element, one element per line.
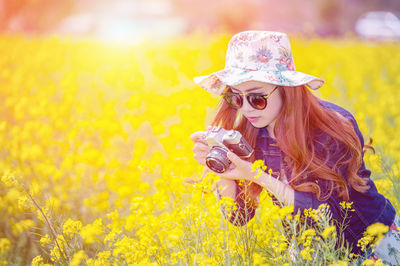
<point>53,232</point>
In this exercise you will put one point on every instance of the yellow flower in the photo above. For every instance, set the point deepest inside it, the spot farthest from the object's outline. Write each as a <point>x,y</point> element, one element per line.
<point>377,229</point>
<point>45,240</point>
<point>372,236</point>
<point>228,204</point>
<point>258,259</point>
<point>103,129</point>
<point>102,258</point>
<point>8,179</point>
<point>327,231</point>
<point>286,211</point>
<point>77,258</point>
<point>91,232</point>
<point>306,253</point>
<point>340,263</point>
<point>22,226</point>
<point>34,189</point>
<point>258,167</point>
<point>370,262</point>
<point>38,261</point>
<point>71,227</point>
<point>258,164</point>
<point>347,205</point>
<point>5,244</point>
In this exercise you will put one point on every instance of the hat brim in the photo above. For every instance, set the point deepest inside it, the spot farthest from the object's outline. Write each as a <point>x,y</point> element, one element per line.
<point>216,82</point>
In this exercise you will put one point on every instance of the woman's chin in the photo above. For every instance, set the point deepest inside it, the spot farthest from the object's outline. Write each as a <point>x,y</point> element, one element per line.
<point>257,124</point>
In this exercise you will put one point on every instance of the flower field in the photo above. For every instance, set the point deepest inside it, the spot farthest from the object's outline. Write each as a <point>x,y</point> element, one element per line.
<point>95,149</point>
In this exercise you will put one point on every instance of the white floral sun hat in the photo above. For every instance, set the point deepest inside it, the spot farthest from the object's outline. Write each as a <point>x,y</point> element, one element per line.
<point>263,56</point>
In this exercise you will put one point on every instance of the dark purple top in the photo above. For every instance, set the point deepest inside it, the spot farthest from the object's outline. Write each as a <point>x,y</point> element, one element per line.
<point>369,207</point>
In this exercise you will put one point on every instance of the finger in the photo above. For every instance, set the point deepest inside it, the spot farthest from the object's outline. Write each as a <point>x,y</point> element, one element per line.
<point>200,154</point>
<point>200,146</point>
<point>198,136</point>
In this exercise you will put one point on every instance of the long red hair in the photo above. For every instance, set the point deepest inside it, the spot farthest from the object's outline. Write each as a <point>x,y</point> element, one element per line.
<point>302,114</point>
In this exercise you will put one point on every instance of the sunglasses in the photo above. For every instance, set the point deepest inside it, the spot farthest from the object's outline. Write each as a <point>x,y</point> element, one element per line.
<point>256,100</point>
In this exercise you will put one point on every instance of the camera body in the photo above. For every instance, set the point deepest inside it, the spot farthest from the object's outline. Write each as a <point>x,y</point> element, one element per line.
<point>221,141</point>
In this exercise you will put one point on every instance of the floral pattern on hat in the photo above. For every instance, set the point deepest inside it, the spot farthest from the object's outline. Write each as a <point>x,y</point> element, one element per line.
<point>260,56</point>
<point>286,60</point>
<point>263,55</point>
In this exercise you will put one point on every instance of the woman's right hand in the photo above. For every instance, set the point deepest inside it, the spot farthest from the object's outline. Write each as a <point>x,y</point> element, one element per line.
<point>200,148</point>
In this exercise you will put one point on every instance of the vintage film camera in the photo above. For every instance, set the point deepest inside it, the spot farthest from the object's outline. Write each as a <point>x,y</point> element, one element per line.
<point>220,141</point>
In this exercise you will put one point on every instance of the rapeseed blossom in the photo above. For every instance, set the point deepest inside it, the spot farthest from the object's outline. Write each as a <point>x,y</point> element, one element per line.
<point>258,167</point>
<point>329,231</point>
<point>4,245</point>
<point>99,137</point>
<point>38,261</point>
<point>71,227</point>
<point>372,236</point>
<point>347,206</point>
<point>92,232</point>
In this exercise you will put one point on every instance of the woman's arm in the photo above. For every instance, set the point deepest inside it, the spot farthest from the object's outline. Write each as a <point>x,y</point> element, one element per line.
<point>226,188</point>
<point>243,170</point>
<point>283,192</point>
<point>244,213</point>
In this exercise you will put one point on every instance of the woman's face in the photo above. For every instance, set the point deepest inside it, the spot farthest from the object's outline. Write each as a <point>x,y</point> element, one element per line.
<point>267,116</point>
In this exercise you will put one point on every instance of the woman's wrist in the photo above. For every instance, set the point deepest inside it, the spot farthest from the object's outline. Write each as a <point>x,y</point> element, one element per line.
<point>283,192</point>
<point>263,179</point>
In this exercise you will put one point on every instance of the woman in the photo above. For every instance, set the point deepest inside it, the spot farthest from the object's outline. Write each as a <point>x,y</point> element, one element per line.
<point>314,148</point>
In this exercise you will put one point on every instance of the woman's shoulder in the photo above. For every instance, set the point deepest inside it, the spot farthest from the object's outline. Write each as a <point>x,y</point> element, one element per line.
<point>345,115</point>
<point>338,109</point>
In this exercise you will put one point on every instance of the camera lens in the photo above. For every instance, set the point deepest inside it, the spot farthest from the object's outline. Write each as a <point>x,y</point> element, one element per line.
<point>217,160</point>
<point>215,165</point>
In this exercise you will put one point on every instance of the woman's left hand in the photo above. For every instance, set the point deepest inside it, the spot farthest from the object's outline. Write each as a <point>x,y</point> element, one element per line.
<point>239,168</point>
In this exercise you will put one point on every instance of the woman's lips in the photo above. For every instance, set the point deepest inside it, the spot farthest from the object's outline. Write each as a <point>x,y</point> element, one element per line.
<point>253,119</point>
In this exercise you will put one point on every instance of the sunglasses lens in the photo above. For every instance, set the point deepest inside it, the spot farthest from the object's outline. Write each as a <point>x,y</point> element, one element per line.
<point>235,100</point>
<point>257,101</point>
